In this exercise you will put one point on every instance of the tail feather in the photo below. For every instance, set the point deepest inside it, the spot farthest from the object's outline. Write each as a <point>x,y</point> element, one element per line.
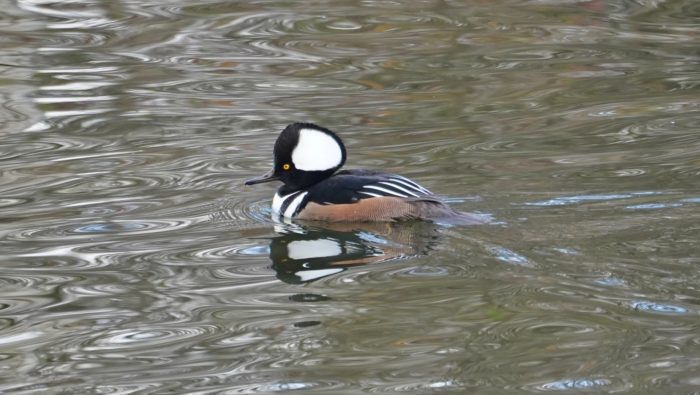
<point>436,211</point>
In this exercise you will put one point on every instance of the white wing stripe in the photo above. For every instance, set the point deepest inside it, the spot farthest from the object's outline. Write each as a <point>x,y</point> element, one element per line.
<point>398,187</point>
<point>413,186</point>
<point>405,181</point>
<point>371,194</point>
<point>386,191</point>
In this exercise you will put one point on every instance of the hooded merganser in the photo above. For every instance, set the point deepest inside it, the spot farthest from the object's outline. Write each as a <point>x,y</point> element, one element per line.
<point>307,158</point>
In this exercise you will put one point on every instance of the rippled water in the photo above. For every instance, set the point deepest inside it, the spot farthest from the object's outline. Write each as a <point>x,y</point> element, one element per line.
<point>134,262</point>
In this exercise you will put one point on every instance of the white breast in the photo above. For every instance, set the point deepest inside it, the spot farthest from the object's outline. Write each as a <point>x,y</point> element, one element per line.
<point>279,201</point>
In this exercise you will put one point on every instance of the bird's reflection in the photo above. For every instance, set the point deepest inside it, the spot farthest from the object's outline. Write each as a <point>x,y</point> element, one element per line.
<point>304,253</point>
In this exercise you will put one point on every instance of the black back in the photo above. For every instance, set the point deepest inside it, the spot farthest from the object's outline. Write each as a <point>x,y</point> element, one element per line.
<point>349,186</point>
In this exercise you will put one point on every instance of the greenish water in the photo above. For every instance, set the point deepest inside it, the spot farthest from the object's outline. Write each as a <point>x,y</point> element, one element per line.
<point>134,262</point>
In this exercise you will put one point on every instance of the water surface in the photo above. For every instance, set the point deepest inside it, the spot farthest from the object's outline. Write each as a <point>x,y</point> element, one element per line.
<point>134,262</point>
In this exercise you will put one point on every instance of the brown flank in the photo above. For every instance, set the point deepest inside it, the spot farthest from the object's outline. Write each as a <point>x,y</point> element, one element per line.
<point>376,209</point>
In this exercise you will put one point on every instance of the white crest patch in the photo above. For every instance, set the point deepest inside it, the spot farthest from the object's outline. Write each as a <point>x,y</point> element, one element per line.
<point>316,151</point>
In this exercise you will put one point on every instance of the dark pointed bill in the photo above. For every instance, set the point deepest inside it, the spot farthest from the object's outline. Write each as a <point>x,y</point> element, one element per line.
<point>267,177</point>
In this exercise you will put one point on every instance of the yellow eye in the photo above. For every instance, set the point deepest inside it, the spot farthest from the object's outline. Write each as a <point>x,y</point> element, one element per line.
<point>285,166</point>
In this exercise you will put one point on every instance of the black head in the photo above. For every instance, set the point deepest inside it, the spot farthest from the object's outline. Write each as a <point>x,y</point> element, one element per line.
<point>304,154</point>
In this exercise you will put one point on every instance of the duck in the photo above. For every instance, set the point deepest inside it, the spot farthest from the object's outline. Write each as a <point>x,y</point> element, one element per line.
<point>307,159</point>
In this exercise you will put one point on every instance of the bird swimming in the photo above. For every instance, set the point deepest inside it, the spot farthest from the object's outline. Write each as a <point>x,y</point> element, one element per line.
<point>307,159</point>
